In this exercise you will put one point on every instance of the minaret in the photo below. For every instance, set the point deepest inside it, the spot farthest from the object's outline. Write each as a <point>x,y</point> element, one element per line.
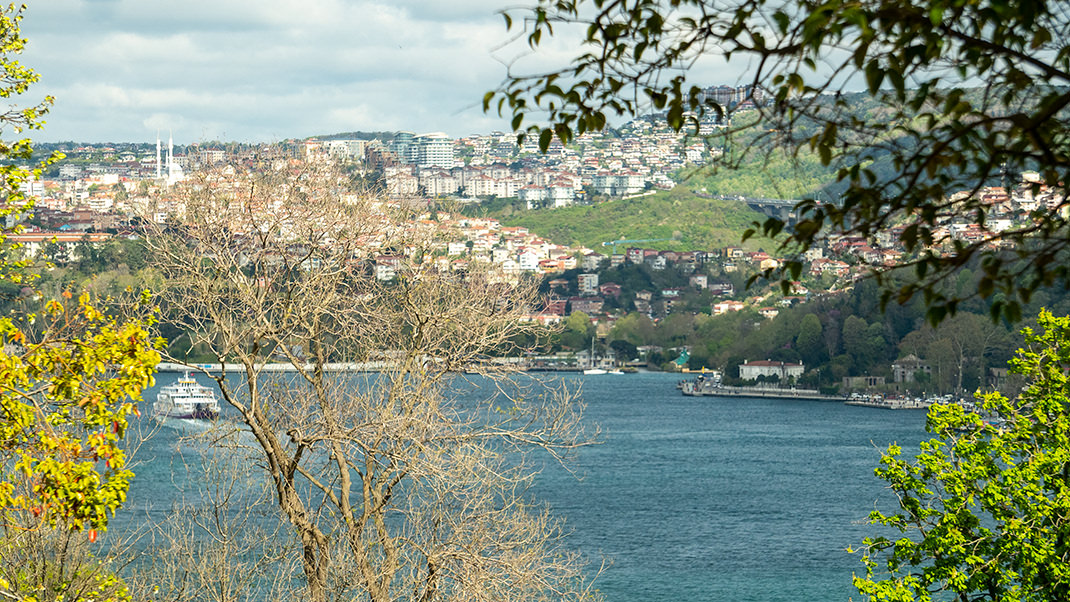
<point>170,155</point>
<point>159,167</point>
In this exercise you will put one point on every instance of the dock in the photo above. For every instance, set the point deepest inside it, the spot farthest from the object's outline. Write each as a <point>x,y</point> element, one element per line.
<point>890,404</point>
<point>698,389</point>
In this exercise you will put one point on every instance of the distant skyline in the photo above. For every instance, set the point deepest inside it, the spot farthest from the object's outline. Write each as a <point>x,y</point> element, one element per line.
<point>268,70</point>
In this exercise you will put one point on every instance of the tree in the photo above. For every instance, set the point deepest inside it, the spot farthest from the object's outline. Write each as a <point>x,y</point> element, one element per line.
<point>70,376</point>
<point>809,342</point>
<point>958,95</point>
<point>624,350</point>
<point>863,343</point>
<point>392,482</point>
<point>214,545</point>
<point>984,507</point>
<point>958,347</point>
<point>578,332</point>
<point>635,328</point>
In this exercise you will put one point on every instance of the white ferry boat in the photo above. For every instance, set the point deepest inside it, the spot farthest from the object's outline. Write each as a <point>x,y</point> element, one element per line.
<point>186,398</point>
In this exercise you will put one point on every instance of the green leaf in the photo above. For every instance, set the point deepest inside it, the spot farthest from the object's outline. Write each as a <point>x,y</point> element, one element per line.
<point>545,136</point>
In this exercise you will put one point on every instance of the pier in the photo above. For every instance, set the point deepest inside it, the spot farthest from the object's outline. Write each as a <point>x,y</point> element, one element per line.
<point>891,404</point>
<point>707,388</point>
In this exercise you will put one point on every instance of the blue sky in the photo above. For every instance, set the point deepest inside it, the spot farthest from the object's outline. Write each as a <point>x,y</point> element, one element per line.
<point>266,70</point>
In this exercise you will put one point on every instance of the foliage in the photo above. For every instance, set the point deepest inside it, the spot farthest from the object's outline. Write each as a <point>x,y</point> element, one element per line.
<point>756,166</point>
<point>66,395</point>
<point>916,60</point>
<point>686,221</point>
<point>984,507</point>
<point>55,563</point>
<point>70,375</point>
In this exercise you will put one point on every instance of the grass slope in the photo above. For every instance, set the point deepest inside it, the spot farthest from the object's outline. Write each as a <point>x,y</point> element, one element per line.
<point>775,175</point>
<point>689,222</point>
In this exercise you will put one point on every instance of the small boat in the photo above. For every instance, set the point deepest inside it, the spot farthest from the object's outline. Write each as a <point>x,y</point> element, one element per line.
<point>186,398</point>
<point>595,371</point>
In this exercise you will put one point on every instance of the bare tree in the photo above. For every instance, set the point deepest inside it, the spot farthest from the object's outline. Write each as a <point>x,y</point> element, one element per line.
<point>395,483</point>
<point>219,541</point>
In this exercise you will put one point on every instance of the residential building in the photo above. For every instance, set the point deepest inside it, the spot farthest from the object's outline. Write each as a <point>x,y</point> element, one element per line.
<point>588,284</point>
<point>904,370</point>
<point>783,370</point>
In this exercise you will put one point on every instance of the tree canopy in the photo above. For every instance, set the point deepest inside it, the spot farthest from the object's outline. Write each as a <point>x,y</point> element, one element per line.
<point>70,377</point>
<point>983,508</point>
<point>964,94</point>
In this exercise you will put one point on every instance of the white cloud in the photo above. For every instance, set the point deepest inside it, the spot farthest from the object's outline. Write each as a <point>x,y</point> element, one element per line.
<point>261,69</point>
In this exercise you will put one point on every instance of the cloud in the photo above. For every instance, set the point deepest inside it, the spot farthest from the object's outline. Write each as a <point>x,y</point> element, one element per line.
<point>261,70</point>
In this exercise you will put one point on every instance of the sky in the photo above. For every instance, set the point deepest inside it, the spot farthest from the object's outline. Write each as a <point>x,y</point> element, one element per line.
<point>264,70</point>
<point>269,70</point>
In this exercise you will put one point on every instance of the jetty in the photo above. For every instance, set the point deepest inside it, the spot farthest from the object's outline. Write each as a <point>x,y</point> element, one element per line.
<point>891,403</point>
<point>698,388</point>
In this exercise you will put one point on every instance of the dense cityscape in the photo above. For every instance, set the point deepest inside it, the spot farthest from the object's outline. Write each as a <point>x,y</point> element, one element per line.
<point>99,192</point>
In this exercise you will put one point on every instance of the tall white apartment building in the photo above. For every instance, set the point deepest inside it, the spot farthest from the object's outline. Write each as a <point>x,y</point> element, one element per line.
<point>434,150</point>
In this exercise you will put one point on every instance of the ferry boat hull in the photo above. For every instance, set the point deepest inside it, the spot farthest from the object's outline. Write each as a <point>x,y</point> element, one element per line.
<point>186,399</point>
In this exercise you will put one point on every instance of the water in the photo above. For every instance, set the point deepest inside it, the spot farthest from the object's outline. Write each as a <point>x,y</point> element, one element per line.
<point>698,498</point>
<point>725,499</point>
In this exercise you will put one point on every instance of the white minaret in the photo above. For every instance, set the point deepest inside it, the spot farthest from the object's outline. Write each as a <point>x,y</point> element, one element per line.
<point>170,155</point>
<point>159,167</point>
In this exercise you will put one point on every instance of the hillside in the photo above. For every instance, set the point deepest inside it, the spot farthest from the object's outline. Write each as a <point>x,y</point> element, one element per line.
<point>774,175</point>
<point>689,221</point>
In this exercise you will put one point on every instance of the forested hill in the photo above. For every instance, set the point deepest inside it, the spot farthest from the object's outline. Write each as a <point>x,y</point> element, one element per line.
<point>678,220</point>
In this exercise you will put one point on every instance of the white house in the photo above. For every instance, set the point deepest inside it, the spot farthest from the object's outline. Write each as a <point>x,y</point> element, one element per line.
<point>782,370</point>
<point>528,260</point>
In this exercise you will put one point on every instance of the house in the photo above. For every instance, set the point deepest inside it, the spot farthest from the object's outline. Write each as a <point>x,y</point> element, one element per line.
<point>769,312</point>
<point>549,266</point>
<point>592,261</point>
<point>588,284</point>
<point>609,289</point>
<point>556,306</point>
<point>528,260</point>
<point>862,382</point>
<point>588,305</point>
<point>33,243</point>
<point>783,370</point>
<point>386,267</point>
<point>568,262</point>
<point>670,256</point>
<point>726,306</point>
<point>904,370</point>
<point>656,262</point>
<point>722,288</point>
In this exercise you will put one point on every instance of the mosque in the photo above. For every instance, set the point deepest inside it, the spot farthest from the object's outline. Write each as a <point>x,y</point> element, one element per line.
<point>174,170</point>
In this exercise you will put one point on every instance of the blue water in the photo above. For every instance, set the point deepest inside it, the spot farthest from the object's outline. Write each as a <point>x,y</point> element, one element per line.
<point>697,499</point>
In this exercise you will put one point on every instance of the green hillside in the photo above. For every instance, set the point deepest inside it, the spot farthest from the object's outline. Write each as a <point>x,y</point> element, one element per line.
<point>689,221</point>
<point>775,175</point>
